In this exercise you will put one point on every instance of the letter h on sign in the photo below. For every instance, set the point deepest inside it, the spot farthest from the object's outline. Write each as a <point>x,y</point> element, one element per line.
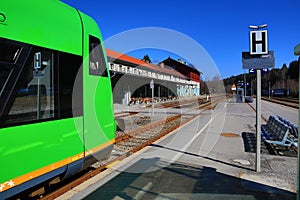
<point>258,42</point>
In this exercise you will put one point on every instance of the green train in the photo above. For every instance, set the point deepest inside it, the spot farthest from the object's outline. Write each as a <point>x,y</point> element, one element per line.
<point>56,109</point>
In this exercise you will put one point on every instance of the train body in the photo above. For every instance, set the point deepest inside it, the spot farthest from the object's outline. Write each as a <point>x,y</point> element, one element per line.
<point>276,92</point>
<point>56,113</point>
<point>280,92</point>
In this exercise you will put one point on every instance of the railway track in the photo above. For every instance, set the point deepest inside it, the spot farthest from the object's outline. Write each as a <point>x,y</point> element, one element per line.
<point>287,99</point>
<point>294,103</point>
<point>168,104</point>
<point>130,141</point>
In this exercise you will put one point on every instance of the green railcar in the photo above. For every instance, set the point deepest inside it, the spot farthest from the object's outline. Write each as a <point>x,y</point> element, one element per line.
<point>56,110</point>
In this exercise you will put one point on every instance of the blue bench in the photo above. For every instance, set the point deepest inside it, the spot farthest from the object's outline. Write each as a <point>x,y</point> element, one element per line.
<point>278,133</point>
<point>267,129</point>
<point>293,127</point>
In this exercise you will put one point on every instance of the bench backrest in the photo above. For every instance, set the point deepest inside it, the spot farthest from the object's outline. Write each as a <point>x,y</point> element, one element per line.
<point>281,131</point>
<point>292,127</point>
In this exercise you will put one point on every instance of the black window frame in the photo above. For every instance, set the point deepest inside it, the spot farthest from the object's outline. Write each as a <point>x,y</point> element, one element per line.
<point>62,62</point>
<point>96,55</point>
<point>73,64</point>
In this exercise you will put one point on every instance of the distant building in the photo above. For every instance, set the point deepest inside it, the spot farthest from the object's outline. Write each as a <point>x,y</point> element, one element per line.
<point>131,79</point>
<point>189,71</point>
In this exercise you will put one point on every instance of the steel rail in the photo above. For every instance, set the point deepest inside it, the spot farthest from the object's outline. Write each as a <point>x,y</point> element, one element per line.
<point>169,122</point>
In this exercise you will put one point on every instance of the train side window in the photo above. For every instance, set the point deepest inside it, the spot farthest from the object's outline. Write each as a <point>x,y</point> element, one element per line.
<point>9,51</point>
<point>97,65</point>
<point>38,84</point>
<point>33,97</point>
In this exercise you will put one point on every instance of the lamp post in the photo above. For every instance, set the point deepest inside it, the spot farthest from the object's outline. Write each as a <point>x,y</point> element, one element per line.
<point>251,88</point>
<point>152,89</point>
<point>269,89</point>
<point>258,27</point>
<point>245,85</point>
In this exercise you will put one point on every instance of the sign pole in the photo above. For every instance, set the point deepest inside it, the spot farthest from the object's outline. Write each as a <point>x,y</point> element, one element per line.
<point>258,118</point>
<point>297,53</point>
<point>259,58</point>
<point>152,88</point>
<point>298,160</point>
<point>153,101</point>
<point>245,85</point>
<point>269,89</point>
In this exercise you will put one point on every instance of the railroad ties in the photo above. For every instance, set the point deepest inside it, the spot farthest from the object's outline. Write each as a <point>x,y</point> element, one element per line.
<point>231,155</point>
<point>144,131</point>
<point>147,129</point>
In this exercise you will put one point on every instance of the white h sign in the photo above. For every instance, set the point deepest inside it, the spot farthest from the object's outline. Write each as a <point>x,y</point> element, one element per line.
<point>258,42</point>
<point>151,84</point>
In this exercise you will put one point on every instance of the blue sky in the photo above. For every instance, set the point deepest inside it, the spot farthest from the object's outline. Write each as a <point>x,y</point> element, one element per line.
<point>219,26</point>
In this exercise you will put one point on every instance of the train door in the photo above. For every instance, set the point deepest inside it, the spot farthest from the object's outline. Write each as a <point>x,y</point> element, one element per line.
<point>98,111</point>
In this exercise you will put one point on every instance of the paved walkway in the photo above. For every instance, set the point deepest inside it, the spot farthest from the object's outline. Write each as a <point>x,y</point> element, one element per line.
<point>210,158</point>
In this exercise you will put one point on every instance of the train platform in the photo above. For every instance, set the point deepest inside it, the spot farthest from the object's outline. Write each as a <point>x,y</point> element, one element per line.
<point>211,157</point>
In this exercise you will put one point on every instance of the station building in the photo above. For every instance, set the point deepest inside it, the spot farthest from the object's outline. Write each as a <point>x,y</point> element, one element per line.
<point>131,79</point>
<point>187,70</point>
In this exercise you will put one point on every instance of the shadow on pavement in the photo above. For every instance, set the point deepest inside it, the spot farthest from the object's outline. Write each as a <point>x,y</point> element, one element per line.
<point>183,181</point>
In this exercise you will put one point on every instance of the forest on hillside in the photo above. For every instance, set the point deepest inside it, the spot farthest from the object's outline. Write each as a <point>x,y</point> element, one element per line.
<point>286,77</point>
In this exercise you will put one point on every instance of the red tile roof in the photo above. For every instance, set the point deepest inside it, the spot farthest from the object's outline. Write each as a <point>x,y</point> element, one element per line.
<point>166,70</point>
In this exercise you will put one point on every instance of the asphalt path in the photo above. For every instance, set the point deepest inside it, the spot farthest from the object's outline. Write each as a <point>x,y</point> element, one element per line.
<point>197,162</point>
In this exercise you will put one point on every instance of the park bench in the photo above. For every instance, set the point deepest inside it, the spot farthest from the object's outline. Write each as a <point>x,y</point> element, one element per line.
<point>268,128</point>
<point>293,127</point>
<point>276,132</point>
